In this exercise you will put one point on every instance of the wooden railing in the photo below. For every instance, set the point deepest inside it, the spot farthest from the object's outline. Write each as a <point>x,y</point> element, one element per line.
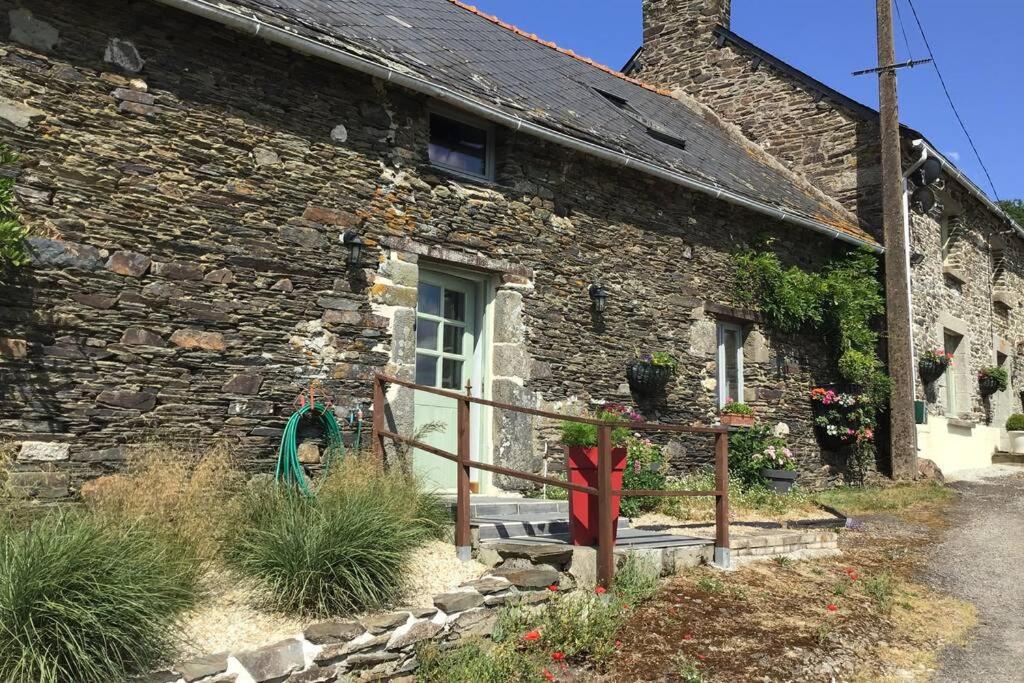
<point>603,490</point>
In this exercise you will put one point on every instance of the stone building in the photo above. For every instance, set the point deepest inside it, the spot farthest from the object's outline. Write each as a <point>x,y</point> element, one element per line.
<point>967,256</point>
<point>189,171</point>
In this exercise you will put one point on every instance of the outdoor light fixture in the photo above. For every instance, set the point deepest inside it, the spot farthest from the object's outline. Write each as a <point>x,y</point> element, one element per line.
<point>354,243</point>
<point>916,258</point>
<point>599,296</point>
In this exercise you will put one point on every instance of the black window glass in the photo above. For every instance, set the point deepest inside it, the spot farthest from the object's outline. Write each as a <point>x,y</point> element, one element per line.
<point>458,146</point>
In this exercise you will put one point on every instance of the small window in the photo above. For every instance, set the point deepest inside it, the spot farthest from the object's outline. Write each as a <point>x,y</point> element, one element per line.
<point>998,264</point>
<point>951,344</point>
<point>730,363</point>
<point>461,146</point>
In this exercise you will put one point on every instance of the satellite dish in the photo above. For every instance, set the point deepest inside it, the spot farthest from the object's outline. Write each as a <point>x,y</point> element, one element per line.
<point>930,171</point>
<point>923,199</point>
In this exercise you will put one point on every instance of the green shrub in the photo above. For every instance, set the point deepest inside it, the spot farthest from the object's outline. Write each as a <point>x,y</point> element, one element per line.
<point>13,249</point>
<point>996,374</point>
<point>1015,423</point>
<point>86,600</point>
<point>636,580</point>
<point>734,408</point>
<point>341,551</point>
<point>478,661</point>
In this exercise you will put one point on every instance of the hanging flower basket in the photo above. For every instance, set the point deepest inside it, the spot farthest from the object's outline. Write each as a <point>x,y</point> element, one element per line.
<point>933,364</point>
<point>646,378</point>
<point>991,380</point>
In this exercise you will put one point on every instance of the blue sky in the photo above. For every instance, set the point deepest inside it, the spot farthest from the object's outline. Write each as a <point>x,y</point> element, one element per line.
<point>977,44</point>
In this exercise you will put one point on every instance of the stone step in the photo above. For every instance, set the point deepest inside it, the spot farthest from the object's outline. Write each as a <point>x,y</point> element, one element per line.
<point>525,525</point>
<point>1006,458</point>
<point>495,506</point>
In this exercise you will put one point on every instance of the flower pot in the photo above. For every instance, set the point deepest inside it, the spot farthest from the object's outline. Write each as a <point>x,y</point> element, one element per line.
<point>1016,442</point>
<point>730,420</point>
<point>581,462</point>
<point>781,481</point>
<point>988,385</point>
<point>646,378</point>
<point>931,370</point>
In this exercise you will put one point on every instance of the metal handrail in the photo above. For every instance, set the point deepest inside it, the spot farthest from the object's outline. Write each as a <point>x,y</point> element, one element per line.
<point>603,491</point>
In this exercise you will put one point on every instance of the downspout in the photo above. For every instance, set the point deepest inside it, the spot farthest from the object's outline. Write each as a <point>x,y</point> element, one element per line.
<point>254,26</point>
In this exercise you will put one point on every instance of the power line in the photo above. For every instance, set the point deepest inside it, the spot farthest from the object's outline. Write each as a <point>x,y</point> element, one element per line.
<point>906,41</point>
<point>949,97</point>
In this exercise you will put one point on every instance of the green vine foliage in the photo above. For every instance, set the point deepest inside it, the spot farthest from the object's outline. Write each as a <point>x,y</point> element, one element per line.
<point>13,250</point>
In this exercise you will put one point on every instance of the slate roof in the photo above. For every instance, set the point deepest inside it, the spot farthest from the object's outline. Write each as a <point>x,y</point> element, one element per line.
<point>451,44</point>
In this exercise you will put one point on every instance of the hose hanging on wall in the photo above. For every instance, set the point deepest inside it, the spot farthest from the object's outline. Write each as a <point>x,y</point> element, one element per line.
<point>289,469</point>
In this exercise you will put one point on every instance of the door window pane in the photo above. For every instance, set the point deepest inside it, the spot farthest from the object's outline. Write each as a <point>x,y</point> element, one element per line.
<point>429,299</point>
<point>426,370</point>
<point>426,334</point>
<point>453,338</point>
<point>454,305</point>
<point>451,374</point>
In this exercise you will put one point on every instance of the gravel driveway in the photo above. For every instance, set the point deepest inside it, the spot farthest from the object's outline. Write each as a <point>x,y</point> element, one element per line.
<point>981,560</point>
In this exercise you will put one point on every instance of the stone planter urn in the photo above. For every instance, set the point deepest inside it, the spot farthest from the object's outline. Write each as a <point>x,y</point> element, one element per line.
<point>647,379</point>
<point>1016,442</point>
<point>780,481</point>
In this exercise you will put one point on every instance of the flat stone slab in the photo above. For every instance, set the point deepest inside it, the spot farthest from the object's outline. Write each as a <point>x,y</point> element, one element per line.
<point>333,632</point>
<point>273,661</point>
<point>201,667</point>
<point>529,577</point>
<point>458,601</point>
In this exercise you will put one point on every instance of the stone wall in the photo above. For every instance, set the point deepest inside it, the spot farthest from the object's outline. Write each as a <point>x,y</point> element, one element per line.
<point>824,139</point>
<point>186,187</point>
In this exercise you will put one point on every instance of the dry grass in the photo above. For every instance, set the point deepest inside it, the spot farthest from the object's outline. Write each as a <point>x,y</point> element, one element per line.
<point>772,619</point>
<point>188,493</point>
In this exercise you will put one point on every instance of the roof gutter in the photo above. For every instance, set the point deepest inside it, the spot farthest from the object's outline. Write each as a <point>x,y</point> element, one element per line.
<point>254,26</point>
<point>969,185</point>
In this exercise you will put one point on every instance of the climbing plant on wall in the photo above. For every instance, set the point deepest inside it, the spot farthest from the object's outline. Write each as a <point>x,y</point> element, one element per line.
<point>13,251</point>
<point>840,302</point>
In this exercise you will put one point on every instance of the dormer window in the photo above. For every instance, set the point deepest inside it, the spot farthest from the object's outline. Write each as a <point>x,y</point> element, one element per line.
<point>460,145</point>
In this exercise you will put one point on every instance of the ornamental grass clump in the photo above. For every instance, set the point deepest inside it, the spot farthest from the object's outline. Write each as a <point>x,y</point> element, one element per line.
<point>87,600</point>
<point>344,550</point>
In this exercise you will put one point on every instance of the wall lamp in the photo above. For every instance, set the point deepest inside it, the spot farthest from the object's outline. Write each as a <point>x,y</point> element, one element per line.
<point>599,297</point>
<point>354,243</point>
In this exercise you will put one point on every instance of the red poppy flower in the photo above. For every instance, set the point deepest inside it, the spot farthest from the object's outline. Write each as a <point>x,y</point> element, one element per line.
<point>600,590</point>
<point>618,644</point>
<point>558,656</point>
<point>701,657</point>
<point>531,636</point>
<point>548,675</point>
<point>687,636</point>
<point>625,606</point>
<point>832,607</point>
<point>553,587</point>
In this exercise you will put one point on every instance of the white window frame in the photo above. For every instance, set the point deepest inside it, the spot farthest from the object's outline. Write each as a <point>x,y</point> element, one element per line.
<point>487,128</point>
<point>954,375</point>
<point>721,329</point>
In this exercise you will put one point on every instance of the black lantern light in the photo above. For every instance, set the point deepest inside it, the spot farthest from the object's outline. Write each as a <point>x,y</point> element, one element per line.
<point>354,243</point>
<point>599,297</point>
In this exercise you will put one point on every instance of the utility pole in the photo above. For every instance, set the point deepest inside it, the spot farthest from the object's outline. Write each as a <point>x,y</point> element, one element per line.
<point>903,439</point>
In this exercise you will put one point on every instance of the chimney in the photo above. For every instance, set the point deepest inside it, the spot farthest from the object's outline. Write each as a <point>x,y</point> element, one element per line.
<point>678,35</point>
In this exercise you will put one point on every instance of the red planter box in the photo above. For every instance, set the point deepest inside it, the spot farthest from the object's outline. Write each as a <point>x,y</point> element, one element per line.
<point>730,420</point>
<point>581,461</point>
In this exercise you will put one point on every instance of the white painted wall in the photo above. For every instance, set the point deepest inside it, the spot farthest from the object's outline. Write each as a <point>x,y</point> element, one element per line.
<point>955,448</point>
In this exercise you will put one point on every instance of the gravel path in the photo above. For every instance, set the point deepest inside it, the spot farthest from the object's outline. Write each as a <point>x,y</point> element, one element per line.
<point>981,560</point>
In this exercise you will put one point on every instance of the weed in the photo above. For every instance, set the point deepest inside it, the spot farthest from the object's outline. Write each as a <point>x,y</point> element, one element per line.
<point>737,592</point>
<point>88,600</point>
<point>784,560</point>
<point>840,588</point>
<point>867,499</point>
<point>687,668</point>
<point>710,584</point>
<point>636,579</point>
<point>882,590</point>
<point>476,660</point>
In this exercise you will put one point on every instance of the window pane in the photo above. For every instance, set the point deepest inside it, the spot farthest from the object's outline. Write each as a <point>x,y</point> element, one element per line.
<point>426,334</point>
<point>451,374</point>
<point>951,343</point>
<point>453,338</point>
<point>731,367</point>
<point>430,299</point>
<point>454,305</point>
<point>426,370</point>
<point>458,145</point>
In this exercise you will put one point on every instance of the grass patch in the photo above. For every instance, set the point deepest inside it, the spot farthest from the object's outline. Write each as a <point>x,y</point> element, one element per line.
<point>479,661</point>
<point>87,600</point>
<point>868,499</point>
<point>342,551</point>
<point>744,501</point>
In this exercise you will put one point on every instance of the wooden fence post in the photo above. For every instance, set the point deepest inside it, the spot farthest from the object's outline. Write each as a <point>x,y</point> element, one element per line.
<point>722,558</point>
<point>378,420</point>
<point>605,542</point>
<point>462,534</point>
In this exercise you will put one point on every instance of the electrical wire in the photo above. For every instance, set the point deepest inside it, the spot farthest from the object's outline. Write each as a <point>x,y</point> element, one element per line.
<point>949,97</point>
<point>906,40</point>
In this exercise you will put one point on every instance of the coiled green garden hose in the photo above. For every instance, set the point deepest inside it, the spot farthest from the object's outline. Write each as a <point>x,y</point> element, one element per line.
<point>289,469</point>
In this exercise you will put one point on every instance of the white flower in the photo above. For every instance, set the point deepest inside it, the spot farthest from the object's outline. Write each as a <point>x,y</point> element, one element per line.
<point>781,429</point>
